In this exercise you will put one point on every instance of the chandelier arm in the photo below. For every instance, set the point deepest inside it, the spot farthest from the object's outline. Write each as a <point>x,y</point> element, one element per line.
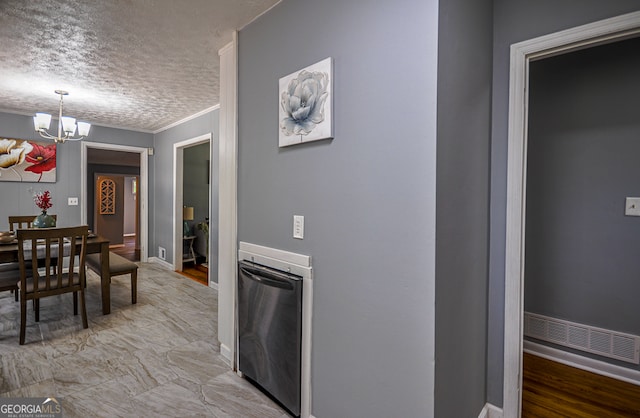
<point>43,133</point>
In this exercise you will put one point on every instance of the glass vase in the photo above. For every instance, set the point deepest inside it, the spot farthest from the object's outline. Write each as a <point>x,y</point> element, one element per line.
<point>44,221</point>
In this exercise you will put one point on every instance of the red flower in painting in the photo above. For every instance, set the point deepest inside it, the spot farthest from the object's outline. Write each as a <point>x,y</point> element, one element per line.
<point>41,158</point>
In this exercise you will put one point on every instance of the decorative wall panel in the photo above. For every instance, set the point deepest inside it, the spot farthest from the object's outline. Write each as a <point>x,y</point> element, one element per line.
<point>107,192</point>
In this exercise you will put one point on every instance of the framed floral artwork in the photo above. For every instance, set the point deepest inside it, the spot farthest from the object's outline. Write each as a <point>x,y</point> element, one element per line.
<point>27,161</point>
<point>305,108</point>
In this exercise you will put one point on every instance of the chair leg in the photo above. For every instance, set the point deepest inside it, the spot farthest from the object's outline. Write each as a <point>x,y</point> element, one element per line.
<point>16,293</point>
<point>134,287</point>
<point>36,308</point>
<point>83,309</point>
<point>75,303</point>
<point>23,320</point>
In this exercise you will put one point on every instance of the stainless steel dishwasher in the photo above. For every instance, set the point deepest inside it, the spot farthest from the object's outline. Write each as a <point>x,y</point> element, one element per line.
<point>270,331</point>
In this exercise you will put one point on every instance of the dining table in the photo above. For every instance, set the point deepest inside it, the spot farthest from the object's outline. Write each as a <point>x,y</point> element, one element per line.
<point>95,245</point>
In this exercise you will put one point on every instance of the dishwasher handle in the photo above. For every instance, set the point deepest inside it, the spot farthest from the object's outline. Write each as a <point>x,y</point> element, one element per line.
<point>268,277</point>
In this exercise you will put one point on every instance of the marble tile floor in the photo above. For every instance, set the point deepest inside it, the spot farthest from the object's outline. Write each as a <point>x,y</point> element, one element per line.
<point>159,357</point>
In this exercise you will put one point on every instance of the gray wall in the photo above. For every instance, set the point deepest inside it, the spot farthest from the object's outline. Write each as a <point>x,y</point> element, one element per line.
<point>68,169</point>
<point>515,21</point>
<point>162,209</point>
<point>584,140</point>
<point>368,196</point>
<point>462,199</point>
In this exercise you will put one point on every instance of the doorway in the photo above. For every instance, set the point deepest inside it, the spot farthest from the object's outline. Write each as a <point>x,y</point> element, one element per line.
<point>116,209</point>
<point>580,254</point>
<point>126,162</point>
<point>522,54</point>
<point>192,220</point>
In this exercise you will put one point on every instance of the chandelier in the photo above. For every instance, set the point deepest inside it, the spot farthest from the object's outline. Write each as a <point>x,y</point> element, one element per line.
<point>66,125</point>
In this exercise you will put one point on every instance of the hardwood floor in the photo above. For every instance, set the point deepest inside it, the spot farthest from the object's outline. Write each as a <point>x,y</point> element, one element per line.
<point>127,251</point>
<point>196,272</point>
<point>551,389</point>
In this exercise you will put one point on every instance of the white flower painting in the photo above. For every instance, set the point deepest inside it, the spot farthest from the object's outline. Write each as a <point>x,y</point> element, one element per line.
<point>305,104</point>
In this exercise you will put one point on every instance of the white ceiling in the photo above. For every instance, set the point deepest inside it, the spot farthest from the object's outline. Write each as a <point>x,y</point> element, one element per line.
<point>135,64</point>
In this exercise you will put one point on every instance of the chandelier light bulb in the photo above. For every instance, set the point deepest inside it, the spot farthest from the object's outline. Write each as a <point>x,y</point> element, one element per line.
<point>42,121</point>
<point>66,125</point>
<point>83,128</point>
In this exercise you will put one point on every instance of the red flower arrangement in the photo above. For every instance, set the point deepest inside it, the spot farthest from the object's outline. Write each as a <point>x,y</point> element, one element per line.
<point>43,200</point>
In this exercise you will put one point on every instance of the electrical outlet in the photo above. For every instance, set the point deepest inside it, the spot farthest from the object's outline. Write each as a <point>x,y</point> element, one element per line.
<point>632,206</point>
<point>162,253</point>
<point>73,201</point>
<point>298,226</point>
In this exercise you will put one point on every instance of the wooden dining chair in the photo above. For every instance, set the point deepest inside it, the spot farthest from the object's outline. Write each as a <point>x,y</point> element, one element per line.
<point>23,221</point>
<point>43,280</point>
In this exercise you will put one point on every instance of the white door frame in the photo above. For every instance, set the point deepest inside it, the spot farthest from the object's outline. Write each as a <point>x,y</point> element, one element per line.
<point>227,200</point>
<point>143,187</point>
<point>178,172</point>
<point>604,31</point>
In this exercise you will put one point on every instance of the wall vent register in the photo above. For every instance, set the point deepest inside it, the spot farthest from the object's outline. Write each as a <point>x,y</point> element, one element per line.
<point>607,343</point>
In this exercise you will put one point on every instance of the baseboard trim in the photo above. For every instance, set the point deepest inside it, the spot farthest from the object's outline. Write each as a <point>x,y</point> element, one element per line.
<point>213,285</point>
<point>163,263</point>
<point>585,363</point>
<point>490,411</point>
<point>226,354</point>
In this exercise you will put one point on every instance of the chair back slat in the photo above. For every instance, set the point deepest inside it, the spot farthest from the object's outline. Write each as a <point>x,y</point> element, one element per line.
<point>49,248</point>
<point>72,252</point>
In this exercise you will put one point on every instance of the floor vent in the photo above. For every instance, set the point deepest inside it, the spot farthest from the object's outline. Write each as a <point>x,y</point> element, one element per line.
<point>599,341</point>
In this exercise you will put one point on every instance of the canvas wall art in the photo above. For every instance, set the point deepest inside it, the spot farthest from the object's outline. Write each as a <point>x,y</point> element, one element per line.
<point>27,161</point>
<point>305,108</point>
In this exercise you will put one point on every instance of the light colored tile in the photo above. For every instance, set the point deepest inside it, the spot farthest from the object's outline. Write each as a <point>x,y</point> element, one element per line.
<point>23,368</point>
<point>159,357</point>
<point>39,389</point>
<point>170,400</point>
<point>143,371</point>
<point>228,395</point>
<point>198,361</point>
<point>77,372</point>
<point>104,400</point>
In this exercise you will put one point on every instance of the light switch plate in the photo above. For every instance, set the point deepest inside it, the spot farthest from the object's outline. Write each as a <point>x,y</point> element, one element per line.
<point>632,206</point>
<point>298,226</point>
<point>73,201</point>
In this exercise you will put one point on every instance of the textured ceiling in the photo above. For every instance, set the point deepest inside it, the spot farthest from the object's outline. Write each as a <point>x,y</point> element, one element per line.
<point>134,64</point>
